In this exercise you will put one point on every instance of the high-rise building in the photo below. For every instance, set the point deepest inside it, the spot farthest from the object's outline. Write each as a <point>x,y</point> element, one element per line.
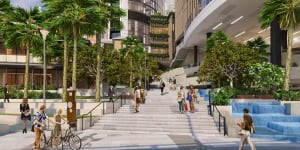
<point>197,19</point>
<point>136,22</point>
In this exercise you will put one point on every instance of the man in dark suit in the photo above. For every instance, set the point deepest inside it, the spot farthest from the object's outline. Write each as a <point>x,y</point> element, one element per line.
<point>6,96</point>
<point>111,93</point>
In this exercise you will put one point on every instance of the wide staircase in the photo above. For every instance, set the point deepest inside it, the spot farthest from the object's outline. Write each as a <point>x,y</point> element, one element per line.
<point>159,115</point>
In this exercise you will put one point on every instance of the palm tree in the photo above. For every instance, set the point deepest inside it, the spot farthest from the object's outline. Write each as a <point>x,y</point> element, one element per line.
<point>22,31</point>
<point>133,50</point>
<point>112,15</point>
<point>72,18</point>
<point>5,8</point>
<point>288,12</point>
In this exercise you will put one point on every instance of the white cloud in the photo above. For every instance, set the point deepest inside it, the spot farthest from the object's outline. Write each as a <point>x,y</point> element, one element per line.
<point>27,4</point>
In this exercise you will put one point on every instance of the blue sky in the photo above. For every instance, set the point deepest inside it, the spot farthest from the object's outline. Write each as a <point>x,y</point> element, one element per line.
<point>27,4</point>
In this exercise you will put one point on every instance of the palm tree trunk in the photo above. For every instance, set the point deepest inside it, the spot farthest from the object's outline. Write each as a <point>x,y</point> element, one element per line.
<point>26,73</point>
<point>65,69</point>
<point>288,59</point>
<point>74,59</point>
<point>98,75</point>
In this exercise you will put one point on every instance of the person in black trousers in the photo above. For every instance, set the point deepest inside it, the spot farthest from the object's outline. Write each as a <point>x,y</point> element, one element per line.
<point>6,96</point>
<point>111,93</point>
<point>25,113</point>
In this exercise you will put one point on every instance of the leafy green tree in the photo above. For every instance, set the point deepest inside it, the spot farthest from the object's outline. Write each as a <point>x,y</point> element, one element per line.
<point>22,30</point>
<point>261,46</point>
<point>227,61</point>
<point>75,19</point>
<point>5,9</point>
<point>274,74</point>
<point>110,64</point>
<point>217,37</point>
<point>133,51</point>
<point>112,14</point>
<point>288,12</point>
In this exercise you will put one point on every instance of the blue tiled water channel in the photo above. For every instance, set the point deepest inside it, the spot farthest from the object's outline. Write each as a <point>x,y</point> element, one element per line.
<point>271,119</point>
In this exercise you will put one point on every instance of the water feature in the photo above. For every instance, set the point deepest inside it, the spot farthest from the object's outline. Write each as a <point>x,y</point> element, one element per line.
<point>271,120</point>
<point>204,93</point>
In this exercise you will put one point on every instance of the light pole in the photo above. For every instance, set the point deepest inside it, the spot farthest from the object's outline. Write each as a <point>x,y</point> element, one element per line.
<point>44,35</point>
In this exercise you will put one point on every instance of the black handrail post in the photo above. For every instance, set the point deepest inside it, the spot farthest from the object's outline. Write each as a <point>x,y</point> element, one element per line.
<point>225,130</point>
<point>121,101</point>
<point>113,107</point>
<point>82,122</point>
<point>103,108</point>
<point>209,102</point>
<point>219,123</point>
<point>90,119</point>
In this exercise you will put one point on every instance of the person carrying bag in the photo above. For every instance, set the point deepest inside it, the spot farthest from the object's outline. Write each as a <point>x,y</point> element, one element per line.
<point>246,126</point>
<point>190,98</point>
<point>180,99</point>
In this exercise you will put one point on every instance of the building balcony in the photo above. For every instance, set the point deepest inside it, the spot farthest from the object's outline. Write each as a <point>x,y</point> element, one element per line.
<point>18,59</point>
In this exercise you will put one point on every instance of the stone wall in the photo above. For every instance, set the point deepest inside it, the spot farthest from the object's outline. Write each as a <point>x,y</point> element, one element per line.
<point>292,107</point>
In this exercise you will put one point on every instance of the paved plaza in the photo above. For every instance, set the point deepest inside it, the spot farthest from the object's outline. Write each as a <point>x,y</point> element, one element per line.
<point>158,125</point>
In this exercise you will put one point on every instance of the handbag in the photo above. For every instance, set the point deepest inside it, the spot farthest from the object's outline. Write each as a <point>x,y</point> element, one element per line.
<point>189,97</point>
<point>179,99</point>
<point>185,107</point>
<point>26,113</point>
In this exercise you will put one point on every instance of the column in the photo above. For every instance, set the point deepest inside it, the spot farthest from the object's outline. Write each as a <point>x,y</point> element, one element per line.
<point>276,39</point>
<point>195,55</point>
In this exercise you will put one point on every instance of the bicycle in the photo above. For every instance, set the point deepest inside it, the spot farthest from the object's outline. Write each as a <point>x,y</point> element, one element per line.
<point>70,139</point>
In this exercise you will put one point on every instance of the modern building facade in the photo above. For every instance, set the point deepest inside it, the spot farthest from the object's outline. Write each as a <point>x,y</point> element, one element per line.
<point>136,22</point>
<point>197,19</point>
<point>12,69</point>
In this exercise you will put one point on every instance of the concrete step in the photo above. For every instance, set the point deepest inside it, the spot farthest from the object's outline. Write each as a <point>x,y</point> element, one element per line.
<point>146,116</point>
<point>156,126</point>
<point>166,123</point>
<point>150,129</point>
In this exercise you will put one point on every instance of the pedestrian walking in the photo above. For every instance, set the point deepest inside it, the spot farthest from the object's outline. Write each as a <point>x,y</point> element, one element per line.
<point>143,99</point>
<point>111,93</point>
<point>180,99</point>
<point>6,94</point>
<point>137,97</point>
<point>191,98</point>
<point>162,86</point>
<point>25,113</point>
<point>57,128</point>
<point>246,126</point>
<point>174,83</point>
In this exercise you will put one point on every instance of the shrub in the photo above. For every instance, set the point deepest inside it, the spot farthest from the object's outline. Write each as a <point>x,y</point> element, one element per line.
<point>266,76</point>
<point>287,95</point>
<point>223,96</point>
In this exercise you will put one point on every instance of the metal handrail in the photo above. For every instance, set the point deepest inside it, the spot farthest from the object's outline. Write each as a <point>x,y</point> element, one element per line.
<point>90,112</point>
<point>224,120</point>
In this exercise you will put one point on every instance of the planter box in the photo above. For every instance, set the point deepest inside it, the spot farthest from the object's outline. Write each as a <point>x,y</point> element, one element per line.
<point>246,96</point>
<point>265,96</point>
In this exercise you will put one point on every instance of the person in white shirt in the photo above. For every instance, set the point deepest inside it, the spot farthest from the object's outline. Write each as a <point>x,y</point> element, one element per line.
<point>137,97</point>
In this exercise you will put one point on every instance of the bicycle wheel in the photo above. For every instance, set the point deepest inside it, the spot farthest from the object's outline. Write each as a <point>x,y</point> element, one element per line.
<point>74,142</point>
<point>56,141</point>
<point>43,143</point>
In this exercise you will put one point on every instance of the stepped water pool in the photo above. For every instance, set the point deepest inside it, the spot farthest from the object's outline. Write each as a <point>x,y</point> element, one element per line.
<point>270,116</point>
